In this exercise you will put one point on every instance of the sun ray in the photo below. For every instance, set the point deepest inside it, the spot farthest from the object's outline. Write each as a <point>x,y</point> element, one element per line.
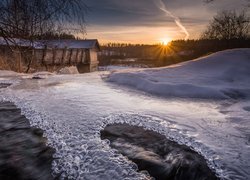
<point>165,41</point>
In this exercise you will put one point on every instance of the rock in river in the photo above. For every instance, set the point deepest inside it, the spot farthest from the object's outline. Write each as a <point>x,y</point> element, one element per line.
<point>161,157</point>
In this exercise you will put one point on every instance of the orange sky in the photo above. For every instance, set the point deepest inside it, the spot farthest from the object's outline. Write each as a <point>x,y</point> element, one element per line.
<point>152,21</point>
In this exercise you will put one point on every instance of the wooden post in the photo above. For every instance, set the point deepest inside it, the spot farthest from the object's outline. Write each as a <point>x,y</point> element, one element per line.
<point>19,61</point>
<point>63,56</point>
<point>54,56</point>
<point>70,56</point>
<point>44,54</point>
<point>77,52</point>
<point>43,58</point>
<point>87,56</point>
<point>30,60</point>
<point>82,55</point>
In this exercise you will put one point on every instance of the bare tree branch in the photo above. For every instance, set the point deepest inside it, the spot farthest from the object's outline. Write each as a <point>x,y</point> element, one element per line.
<point>33,19</point>
<point>228,25</point>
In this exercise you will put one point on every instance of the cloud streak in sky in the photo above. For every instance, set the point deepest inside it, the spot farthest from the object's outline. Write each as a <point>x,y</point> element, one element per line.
<point>162,6</point>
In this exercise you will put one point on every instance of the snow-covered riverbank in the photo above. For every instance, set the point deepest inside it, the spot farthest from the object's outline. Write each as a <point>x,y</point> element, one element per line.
<point>73,109</point>
<point>221,75</point>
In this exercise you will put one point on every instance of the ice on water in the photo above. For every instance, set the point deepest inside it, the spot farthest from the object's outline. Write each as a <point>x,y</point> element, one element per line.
<point>72,109</point>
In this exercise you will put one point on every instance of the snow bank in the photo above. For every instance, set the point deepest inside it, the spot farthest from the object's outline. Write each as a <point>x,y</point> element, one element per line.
<point>225,74</point>
<point>68,70</point>
<point>41,75</point>
<point>116,67</point>
<point>5,73</point>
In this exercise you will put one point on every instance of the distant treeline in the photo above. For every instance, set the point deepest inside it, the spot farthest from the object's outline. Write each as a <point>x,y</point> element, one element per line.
<point>160,55</point>
<point>191,49</point>
<point>50,36</point>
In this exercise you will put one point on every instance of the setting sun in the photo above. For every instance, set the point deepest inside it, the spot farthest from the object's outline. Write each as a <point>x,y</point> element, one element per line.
<point>165,41</point>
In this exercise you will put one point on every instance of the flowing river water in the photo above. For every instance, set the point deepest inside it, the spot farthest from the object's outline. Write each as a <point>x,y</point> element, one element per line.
<point>73,109</point>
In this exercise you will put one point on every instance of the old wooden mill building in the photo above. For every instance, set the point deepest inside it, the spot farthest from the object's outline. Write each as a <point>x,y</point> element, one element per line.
<point>55,54</point>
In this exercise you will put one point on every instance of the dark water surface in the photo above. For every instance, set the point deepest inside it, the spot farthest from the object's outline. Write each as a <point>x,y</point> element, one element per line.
<point>4,85</point>
<point>23,150</point>
<point>162,158</point>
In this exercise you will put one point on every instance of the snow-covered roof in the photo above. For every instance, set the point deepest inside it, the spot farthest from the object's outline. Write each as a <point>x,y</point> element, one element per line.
<point>73,44</point>
<point>15,42</point>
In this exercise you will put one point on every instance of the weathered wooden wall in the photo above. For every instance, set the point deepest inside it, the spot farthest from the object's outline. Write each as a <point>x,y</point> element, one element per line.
<point>9,59</point>
<point>52,59</point>
<point>62,56</point>
<point>94,60</point>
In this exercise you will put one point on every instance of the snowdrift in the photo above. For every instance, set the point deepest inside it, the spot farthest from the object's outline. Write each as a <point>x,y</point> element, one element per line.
<point>222,75</point>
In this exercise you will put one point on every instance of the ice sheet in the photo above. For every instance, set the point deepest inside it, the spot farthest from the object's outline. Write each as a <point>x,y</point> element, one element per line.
<point>72,109</point>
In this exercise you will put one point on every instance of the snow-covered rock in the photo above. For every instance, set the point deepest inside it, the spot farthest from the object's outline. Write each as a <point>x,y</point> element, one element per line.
<point>116,67</point>
<point>41,75</point>
<point>224,74</point>
<point>68,70</point>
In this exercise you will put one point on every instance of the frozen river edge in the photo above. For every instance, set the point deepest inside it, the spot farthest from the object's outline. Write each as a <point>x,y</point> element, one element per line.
<point>73,109</point>
<point>24,153</point>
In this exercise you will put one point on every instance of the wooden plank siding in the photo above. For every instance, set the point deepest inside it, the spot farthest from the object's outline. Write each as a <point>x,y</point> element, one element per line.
<point>52,57</point>
<point>62,56</point>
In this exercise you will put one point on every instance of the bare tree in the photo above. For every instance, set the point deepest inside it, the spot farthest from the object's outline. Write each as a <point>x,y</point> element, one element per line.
<point>228,25</point>
<point>209,1</point>
<point>29,20</point>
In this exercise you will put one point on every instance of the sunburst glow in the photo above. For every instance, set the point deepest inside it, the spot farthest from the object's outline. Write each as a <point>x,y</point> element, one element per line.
<point>166,41</point>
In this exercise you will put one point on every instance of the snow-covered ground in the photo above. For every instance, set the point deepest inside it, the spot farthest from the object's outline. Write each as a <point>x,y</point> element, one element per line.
<point>72,109</point>
<point>221,75</point>
<point>118,67</point>
<point>113,68</point>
